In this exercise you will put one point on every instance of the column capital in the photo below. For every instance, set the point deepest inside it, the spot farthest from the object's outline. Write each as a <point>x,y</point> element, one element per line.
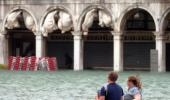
<point>3,32</point>
<point>2,35</point>
<point>158,34</point>
<point>160,37</point>
<point>117,36</point>
<point>37,33</point>
<point>39,37</point>
<point>76,33</point>
<point>116,33</point>
<point>77,37</point>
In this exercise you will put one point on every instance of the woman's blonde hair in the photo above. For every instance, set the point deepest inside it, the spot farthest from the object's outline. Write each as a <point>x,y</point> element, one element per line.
<point>135,80</point>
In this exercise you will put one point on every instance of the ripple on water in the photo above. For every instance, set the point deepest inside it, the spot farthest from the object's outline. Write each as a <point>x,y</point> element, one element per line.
<point>70,85</point>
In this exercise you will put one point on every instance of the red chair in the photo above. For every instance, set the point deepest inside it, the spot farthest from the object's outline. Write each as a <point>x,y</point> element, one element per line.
<point>33,66</point>
<point>10,62</point>
<point>25,64</point>
<point>55,62</point>
<point>17,63</point>
<point>52,64</point>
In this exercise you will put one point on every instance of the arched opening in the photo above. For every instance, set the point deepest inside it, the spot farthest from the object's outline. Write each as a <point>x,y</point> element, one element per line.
<point>98,40</point>
<point>166,29</point>
<point>20,28</point>
<point>139,39</point>
<point>58,37</point>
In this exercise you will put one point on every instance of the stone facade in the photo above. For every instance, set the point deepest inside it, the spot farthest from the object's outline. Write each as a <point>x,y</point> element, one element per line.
<point>117,9</point>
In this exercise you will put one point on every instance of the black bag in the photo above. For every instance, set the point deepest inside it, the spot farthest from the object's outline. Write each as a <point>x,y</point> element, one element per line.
<point>128,97</point>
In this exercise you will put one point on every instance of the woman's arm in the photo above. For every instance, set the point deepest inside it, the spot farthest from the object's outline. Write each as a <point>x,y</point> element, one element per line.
<point>122,98</point>
<point>137,96</point>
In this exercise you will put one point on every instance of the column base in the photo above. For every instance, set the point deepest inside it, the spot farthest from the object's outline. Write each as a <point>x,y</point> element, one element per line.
<point>78,53</point>
<point>160,46</point>
<point>39,46</point>
<point>118,53</point>
<point>3,50</point>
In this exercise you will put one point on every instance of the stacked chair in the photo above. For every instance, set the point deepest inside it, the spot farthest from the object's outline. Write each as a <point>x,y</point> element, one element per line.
<point>32,63</point>
<point>17,63</point>
<point>10,62</point>
<point>25,64</point>
<point>52,64</point>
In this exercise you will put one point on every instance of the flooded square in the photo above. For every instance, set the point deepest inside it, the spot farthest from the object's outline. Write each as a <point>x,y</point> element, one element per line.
<point>71,85</point>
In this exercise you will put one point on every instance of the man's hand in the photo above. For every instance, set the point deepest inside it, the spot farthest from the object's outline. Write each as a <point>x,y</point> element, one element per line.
<point>102,98</point>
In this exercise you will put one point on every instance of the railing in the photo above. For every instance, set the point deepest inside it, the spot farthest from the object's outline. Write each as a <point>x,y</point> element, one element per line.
<point>61,37</point>
<point>92,36</point>
<point>107,36</point>
<point>139,36</point>
<point>98,37</point>
<point>167,36</point>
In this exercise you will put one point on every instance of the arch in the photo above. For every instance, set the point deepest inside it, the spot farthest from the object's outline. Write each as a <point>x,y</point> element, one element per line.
<point>80,19</point>
<point>19,8</point>
<point>58,46</point>
<point>162,21</point>
<point>50,9</point>
<point>123,16</point>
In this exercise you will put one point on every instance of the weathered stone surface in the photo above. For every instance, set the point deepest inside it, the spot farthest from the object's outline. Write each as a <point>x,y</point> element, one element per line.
<point>78,10</point>
<point>154,60</point>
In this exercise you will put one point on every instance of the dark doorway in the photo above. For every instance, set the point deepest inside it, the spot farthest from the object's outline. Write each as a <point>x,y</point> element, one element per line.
<point>21,42</point>
<point>98,55</point>
<point>61,46</point>
<point>137,55</point>
<point>168,57</point>
<point>98,47</point>
<point>138,40</point>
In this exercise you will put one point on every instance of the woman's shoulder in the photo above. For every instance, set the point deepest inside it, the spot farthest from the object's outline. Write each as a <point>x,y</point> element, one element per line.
<point>134,88</point>
<point>134,91</point>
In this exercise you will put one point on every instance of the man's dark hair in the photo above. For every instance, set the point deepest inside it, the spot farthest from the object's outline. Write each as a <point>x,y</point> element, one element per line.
<point>113,76</point>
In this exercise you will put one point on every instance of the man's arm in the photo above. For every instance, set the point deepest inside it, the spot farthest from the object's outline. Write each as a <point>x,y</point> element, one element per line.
<point>102,94</point>
<point>102,98</point>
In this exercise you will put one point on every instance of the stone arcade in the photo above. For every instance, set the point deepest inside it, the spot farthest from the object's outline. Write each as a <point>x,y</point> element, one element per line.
<point>117,34</point>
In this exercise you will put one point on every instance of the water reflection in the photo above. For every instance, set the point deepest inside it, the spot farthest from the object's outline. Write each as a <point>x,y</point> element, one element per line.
<point>70,85</point>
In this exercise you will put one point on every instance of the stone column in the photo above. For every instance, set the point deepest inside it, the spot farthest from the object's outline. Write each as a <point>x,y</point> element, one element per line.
<point>118,52</point>
<point>78,52</point>
<point>160,46</point>
<point>39,46</point>
<point>3,49</point>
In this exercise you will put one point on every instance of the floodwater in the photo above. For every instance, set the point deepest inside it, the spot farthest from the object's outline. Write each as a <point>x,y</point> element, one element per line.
<point>70,85</point>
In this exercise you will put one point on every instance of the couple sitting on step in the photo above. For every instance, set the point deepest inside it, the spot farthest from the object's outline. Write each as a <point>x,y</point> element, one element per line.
<point>112,91</point>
